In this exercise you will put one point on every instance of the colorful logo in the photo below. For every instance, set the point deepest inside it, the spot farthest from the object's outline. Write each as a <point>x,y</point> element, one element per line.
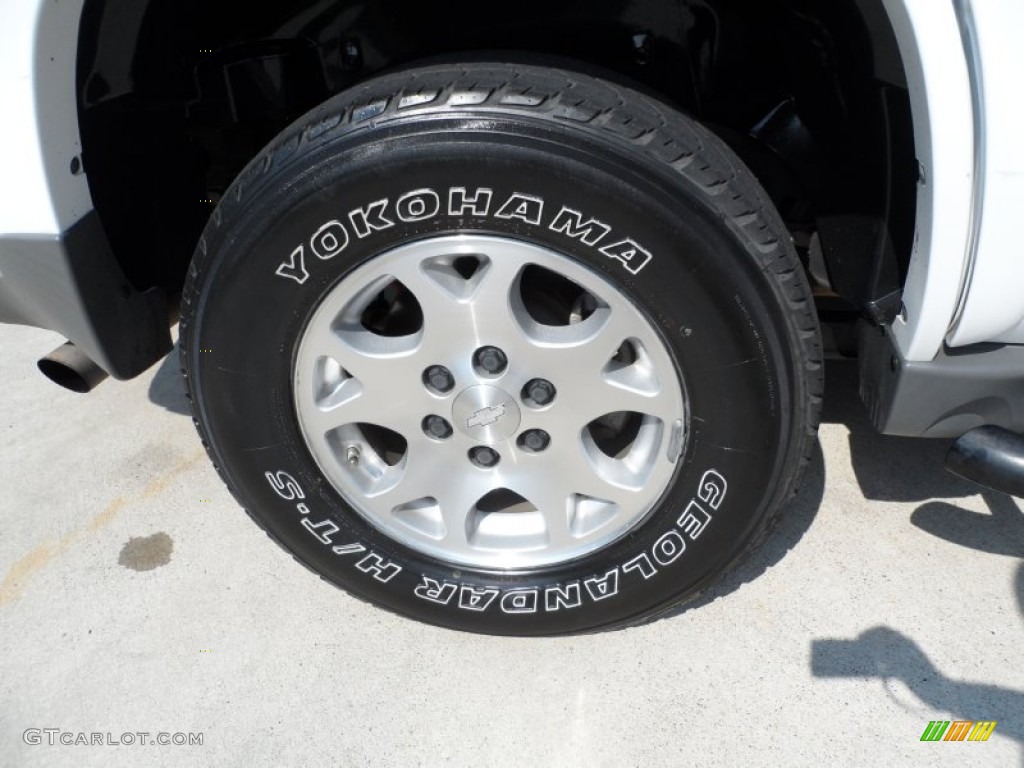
<point>959,730</point>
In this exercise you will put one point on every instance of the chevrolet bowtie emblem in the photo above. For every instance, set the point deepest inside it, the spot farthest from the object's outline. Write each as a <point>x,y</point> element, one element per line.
<point>486,416</point>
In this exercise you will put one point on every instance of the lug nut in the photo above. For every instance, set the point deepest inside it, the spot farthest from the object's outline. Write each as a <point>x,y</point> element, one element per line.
<point>535,440</point>
<point>491,359</point>
<point>439,377</point>
<point>540,391</point>
<point>484,457</point>
<point>435,426</point>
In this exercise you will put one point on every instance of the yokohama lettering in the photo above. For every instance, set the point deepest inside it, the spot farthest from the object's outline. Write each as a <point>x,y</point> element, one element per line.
<point>334,235</point>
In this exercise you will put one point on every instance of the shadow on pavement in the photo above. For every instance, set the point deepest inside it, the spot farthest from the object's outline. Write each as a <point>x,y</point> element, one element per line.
<point>886,468</point>
<point>912,470</point>
<point>998,533</point>
<point>168,387</point>
<point>885,654</point>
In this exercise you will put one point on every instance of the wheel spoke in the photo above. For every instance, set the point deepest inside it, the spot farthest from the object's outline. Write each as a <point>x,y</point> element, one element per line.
<point>416,478</point>
<point>444,314</point>
<point>490,306</point>
<point>557,487</point>
<point>584,348</point>
<point>605,398</point>
<point>592,382</point>
<point>457,501</point>
<point>381,381</point>
<point>552,499</point>
<point>589,482</point>
<point>480,309</point>
<point>366,408</point>
<point>419,480</point>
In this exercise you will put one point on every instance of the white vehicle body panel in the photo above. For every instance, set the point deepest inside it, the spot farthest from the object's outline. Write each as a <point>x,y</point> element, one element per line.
<point>993,308</point>
<point>38,44</point>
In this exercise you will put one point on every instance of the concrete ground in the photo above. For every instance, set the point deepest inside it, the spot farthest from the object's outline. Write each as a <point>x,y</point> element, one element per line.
<point>137,597</point>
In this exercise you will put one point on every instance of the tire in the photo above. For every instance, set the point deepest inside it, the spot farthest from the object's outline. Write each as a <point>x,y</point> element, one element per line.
<point>350,284</point>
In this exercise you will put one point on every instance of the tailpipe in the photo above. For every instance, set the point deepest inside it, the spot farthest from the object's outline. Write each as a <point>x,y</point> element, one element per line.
<point>991,456</point>
<point>68,366</point>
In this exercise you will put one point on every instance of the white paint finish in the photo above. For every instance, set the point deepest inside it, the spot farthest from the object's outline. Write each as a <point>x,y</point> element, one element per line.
<point>38,45</point>
<point>1014,335</point>
<point>940,96</point>
<point>994,307</point>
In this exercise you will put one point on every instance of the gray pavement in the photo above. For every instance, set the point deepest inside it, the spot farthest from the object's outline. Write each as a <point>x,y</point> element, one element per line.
<point>137,597</point>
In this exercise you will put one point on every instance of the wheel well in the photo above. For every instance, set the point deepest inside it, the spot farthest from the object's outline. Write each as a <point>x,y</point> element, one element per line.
<point>176,96</point>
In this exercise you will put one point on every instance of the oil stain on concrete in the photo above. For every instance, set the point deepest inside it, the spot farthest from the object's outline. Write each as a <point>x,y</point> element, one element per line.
<point>147,552</point>
<point>20,574</point>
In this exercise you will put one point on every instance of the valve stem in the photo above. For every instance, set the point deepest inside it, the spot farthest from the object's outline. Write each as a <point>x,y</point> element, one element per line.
<point>352,455</point>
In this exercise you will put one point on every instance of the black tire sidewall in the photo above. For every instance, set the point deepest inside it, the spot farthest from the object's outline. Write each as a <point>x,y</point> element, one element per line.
<point>702,289</point>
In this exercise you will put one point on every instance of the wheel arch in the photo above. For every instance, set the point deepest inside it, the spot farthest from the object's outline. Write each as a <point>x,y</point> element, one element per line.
<point>172,110</point>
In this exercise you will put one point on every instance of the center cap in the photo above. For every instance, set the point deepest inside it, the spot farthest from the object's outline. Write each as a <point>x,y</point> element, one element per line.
<point>486,414</point>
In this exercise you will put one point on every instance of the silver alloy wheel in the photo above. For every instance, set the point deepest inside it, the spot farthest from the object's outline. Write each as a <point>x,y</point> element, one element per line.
<point>489,402</point>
